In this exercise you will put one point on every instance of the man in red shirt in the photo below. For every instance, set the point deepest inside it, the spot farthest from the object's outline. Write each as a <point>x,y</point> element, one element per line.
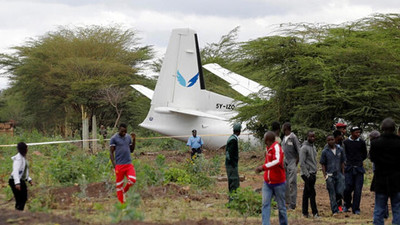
<point>274,179</point>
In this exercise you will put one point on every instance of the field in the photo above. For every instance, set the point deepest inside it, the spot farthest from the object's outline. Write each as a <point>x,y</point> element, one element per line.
<point>76,187</point>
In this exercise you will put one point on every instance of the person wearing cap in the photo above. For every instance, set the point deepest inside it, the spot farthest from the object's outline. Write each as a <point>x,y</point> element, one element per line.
<point>232,159</point>
<point>291,147</point>
<point>385,155</point>
<point>342,128</point>
<point>195,144</point>
<point>356,152</point>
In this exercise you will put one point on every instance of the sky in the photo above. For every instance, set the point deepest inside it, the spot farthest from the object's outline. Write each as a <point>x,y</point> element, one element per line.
<point>21,20</point>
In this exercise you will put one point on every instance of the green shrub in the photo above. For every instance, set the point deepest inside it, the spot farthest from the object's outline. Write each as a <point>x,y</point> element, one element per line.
<point>128,210</point>
<point>150,175</point>
<point>246,201</point>
<point>178,176</point>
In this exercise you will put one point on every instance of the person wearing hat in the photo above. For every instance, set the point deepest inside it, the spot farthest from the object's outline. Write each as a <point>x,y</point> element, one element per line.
<point>356,152</point>
<point>342,127</point>
<point>195,144</point>
<point>232,159</point>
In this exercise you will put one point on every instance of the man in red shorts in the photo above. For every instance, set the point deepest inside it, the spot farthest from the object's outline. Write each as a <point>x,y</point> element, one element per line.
<point>123,145</point>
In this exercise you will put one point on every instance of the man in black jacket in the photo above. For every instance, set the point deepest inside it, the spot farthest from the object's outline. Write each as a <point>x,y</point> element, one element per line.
<point>356,152</point>
<point>385,154</point>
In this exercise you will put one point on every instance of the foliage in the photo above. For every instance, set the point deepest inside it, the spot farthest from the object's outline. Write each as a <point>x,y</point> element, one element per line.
<point>200,170</point>
<point>318,74</point>
<point>66,167</point>
<point>246,201</point>
<point>150,175</point>
<point>178,176</point>
<point>128,210</point>
<point>40,202</point>
<point>61,76</point>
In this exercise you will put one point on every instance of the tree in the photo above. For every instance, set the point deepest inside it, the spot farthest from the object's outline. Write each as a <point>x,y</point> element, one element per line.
<point>321,73</point>
<point>70,68</point>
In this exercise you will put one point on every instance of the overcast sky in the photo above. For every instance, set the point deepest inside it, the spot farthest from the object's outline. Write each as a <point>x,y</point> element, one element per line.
<point>154,19</point>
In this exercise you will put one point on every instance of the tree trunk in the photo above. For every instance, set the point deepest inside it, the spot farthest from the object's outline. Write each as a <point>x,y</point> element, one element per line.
<point>119,113</point>
<point>94,134</point>
<point>85,128</point>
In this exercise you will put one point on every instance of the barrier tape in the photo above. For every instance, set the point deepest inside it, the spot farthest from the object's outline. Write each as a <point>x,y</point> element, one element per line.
<point>139,138</point>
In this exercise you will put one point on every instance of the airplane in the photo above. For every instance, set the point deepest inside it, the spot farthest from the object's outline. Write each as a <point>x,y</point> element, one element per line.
<point>181,103</point>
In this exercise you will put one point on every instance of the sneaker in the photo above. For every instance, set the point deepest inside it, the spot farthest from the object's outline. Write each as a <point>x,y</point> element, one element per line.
<point>305,215</point>
<point>345,209</point>
<point>316,216</point>
<point>340,209</point>
<point>335,214</point>
<point>357,212</point>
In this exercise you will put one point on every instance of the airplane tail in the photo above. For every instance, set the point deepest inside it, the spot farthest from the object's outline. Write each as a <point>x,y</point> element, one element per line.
<point>181,71</point>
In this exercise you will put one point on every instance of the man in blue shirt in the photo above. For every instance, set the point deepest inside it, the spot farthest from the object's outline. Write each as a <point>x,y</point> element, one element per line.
<point>195,144</point>
<point>332,162</point>
<point>123,145</point>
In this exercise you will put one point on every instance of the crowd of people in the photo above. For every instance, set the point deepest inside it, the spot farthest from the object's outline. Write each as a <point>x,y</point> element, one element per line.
<point>341,161</point>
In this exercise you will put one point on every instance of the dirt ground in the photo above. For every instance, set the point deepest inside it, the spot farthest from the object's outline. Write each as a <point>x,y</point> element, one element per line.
<point>175,204</point>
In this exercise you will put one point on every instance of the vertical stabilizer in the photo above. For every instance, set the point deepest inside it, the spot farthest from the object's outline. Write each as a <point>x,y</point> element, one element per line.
<point>181,78</point>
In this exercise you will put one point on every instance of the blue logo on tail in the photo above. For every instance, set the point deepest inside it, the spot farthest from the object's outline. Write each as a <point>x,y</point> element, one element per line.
<point>182,80</point>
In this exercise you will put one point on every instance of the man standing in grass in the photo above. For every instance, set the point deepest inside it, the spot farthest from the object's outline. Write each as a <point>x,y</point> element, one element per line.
<point>232,159</point>
<point>308,171</point>
<point>274,180</point>
<point>195,144</point>
<point>123,145</point>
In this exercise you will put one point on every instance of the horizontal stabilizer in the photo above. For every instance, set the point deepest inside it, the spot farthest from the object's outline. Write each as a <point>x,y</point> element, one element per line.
<point>144,90</point>
<point>187,112</point>
<point>238,82</point>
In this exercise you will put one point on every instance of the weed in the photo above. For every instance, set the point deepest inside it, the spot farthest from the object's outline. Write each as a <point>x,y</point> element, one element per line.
<point>128,210</point>
<point>246,202</point>
<point>178,176</point>
<point>82,186</point>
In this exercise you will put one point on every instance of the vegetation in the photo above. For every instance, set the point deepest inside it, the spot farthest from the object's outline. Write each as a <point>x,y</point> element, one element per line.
<point>71,74</point>
<point>318,74</point>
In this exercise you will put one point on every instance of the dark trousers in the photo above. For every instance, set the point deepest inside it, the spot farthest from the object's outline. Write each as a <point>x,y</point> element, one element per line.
<point>309,194</point>
<point>195,151</point>
<point>233,178</point>
<point>335,186</point>
<point>21,196</point>
<point>354,180</point>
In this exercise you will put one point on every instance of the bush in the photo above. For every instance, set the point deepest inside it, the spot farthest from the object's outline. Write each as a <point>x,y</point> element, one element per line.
<point>246,202</point>
<point>178,176</point>
<point>128,210</point>
<point>150,175</point>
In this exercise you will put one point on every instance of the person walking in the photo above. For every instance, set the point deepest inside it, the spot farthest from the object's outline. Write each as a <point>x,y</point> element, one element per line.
<point>274,180</point>
<point>332,162</point>
<point>308,172</point>
<point>195,144</point>
<point>356,152</point>
<point>232,159</point>
<point>19,176</point>
<point>291,148</point>
<point>123,145</point>
<point>385,155</point>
